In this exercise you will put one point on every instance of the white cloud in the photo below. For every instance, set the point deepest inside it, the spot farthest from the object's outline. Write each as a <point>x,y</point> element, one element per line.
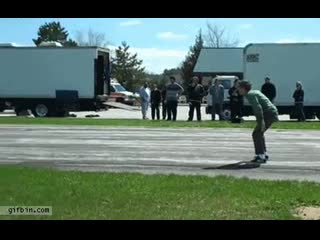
<point>130,23</point>
<point>157,59</point>
<point>292,40</point>
<point>171,36</point>
<point>246,26</point>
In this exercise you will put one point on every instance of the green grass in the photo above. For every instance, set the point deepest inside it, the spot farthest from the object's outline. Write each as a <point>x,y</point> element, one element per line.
<point>78,195</point>
<point>142,123</point>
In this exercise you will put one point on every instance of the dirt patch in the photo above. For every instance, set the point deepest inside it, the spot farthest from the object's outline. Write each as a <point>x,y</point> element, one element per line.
<point>308,213</point>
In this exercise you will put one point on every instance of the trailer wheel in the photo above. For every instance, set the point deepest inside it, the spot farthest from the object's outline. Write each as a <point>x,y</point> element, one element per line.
<point>41,110</point>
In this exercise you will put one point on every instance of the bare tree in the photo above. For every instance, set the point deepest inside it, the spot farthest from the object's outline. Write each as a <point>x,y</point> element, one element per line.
<point>91,39</point>
<point>217,37</point>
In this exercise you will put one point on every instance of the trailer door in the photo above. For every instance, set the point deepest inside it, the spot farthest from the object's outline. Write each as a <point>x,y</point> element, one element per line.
<point>99,78</point>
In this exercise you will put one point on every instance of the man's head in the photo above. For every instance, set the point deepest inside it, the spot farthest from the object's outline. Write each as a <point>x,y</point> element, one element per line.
<point>195,80</point>
<point>155,86</point>
<point>217,82</point>
<point>267,80</point>
<point>244,87</point>
<point>172,79</point>
<point>299,85</point>
<point>145,85</point>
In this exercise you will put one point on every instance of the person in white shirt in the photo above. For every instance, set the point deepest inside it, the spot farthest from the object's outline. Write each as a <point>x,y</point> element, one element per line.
<point>145,99</point>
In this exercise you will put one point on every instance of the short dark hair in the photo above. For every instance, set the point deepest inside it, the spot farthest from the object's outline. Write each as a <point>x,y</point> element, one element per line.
<point>173,78</point>
<point>245,84</point>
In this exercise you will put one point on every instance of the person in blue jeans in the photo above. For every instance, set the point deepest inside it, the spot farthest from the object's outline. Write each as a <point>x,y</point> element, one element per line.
<point>173,93</point>
<point>217,94</point>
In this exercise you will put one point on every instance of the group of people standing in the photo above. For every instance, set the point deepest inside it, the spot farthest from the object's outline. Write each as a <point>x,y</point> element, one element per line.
<point>169,95</point>
<point>215,99</point>
<point>265,111</point>
<point>269,90</point>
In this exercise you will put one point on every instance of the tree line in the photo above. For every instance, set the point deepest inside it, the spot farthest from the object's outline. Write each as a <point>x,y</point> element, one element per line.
<point>126,67</point>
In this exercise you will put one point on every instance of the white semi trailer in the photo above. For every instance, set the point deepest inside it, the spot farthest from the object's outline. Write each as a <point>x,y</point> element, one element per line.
<point>51,81</point>
<point>286,64</point>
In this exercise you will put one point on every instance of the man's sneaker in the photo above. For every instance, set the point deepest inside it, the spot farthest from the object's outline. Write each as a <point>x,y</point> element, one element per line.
<point>258,159</point>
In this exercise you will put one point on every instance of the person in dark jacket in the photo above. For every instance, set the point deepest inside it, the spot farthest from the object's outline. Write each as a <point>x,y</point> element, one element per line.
<point>164,103</point>
<point>155,102</point>
<point>269,89</point>
<point>236,102</point>
<point>196,93</point>
<point>298,96</point>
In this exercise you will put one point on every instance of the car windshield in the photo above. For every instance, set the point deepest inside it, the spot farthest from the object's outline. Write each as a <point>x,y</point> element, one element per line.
<point>119,88</point>
<point>226,83</point>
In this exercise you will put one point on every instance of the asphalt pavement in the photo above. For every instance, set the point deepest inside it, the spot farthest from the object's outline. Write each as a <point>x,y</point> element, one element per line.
<point>294,154</point>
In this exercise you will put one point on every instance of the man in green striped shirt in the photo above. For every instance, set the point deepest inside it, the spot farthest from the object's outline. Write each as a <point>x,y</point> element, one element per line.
<point>266,114</point>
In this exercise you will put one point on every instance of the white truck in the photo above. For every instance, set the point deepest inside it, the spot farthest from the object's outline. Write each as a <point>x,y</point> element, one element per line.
<point>50,81</point>
<point>286,64</point>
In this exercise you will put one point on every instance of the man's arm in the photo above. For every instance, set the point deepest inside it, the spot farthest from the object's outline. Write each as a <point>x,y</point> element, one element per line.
<point>143,94</point>
<point>211,90</point>
<point>181,89</point>
<point>159,96</point>
<point>202,92</point>
<point>257,110</point>
<point>274,91</point>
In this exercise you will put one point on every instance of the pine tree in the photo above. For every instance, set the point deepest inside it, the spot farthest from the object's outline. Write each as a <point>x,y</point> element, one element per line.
<point>127,68</point>
<point>191,60</point>
<point>54,32</point>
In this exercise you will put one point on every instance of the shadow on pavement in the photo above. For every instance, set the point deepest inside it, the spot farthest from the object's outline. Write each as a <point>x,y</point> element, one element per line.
<point>236,166</point>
